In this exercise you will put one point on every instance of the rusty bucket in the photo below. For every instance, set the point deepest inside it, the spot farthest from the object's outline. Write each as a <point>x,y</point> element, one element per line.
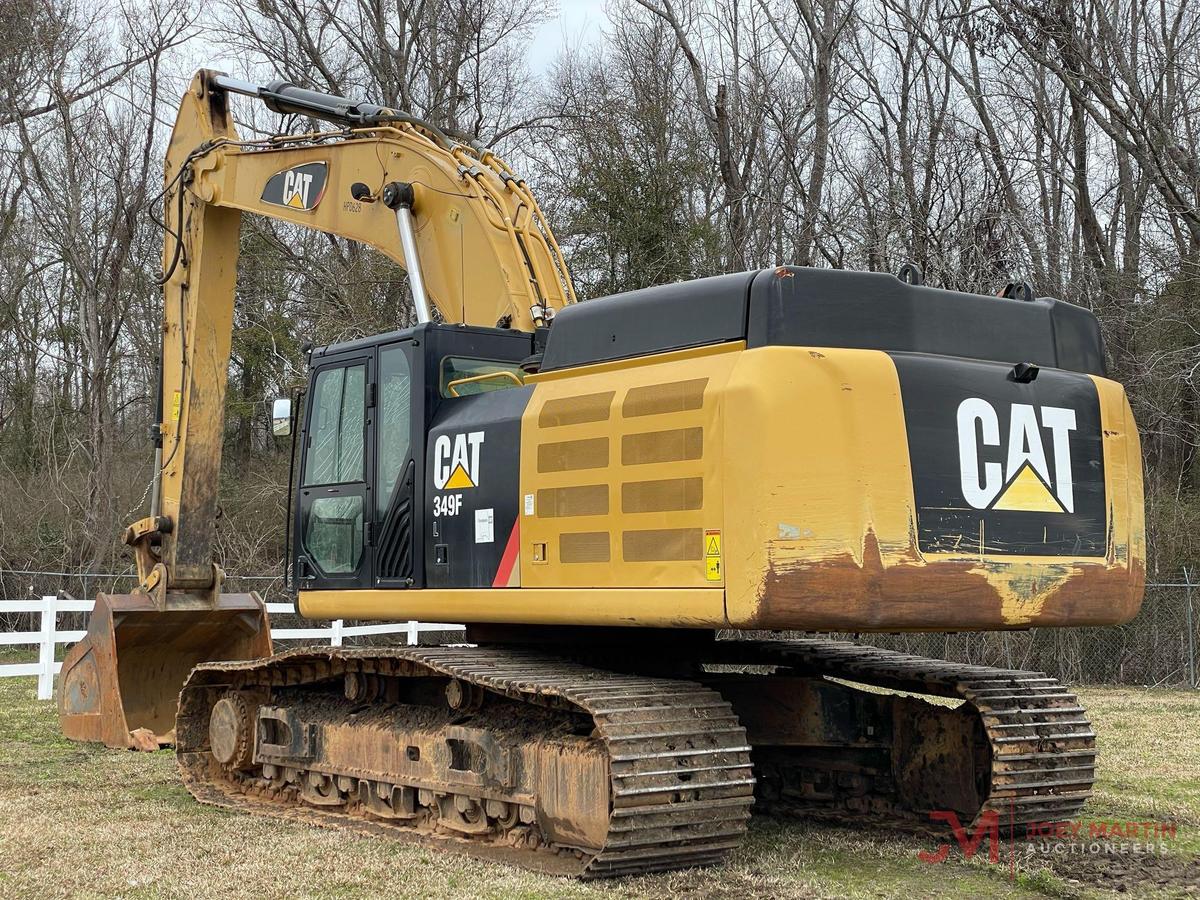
<point>120,685</point>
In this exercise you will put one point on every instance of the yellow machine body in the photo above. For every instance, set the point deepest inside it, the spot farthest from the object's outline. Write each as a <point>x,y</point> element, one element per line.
<point>690,489</point>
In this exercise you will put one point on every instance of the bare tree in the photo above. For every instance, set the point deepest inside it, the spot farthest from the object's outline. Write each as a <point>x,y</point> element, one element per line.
<point>458,63</point>
<point>88,166</point>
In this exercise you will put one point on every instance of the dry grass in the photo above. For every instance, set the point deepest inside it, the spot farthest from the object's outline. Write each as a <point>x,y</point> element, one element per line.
<point>80,820</point>
<point>1150,752</point>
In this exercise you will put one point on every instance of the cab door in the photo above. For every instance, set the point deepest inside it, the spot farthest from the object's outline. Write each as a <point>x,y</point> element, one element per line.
<point>399,443</point>
<point>335,508</point>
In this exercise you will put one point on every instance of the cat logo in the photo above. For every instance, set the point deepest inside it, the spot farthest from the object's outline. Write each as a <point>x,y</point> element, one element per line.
<point>299,188</point>
<point>1016,476</point>
<point>456,461</point>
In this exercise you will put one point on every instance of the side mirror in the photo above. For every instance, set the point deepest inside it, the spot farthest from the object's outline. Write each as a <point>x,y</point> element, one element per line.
<point>281,417</point>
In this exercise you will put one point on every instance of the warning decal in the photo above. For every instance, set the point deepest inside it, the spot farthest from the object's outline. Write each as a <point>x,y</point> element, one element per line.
<point>712,555</point>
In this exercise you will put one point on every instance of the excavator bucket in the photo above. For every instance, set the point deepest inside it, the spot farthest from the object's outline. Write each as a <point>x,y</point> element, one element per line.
<point>120,685</point>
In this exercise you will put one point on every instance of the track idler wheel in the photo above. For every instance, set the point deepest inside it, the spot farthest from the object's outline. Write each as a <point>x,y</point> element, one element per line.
<point>231,732</point>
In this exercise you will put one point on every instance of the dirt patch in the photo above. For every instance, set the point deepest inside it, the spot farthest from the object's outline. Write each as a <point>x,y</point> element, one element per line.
<point>1130,874</point>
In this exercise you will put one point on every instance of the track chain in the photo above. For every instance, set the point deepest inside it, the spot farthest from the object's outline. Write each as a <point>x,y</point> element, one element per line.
<point>1043,748</point>
<point>681,781</point>
<point>679,762</point>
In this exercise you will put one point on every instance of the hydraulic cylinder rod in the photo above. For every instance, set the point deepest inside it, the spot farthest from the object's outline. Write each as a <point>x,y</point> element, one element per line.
<point>398,197</point>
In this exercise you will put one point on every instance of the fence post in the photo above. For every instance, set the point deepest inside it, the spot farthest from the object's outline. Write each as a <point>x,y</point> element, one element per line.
<point>1191,628</point>
<point>45,688</point>
<point>412,633</point>
<point>336,639</point>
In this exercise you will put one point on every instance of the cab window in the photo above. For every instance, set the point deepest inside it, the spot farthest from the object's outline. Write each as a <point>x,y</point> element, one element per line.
<point>332,530</point>
<point>336,431</point>
<point>395,424</point>
<point>454,368</point>
<point>333,533</point>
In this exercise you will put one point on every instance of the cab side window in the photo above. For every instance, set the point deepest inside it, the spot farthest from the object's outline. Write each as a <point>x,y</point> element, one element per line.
<point>335,451</point>
<point>333,525</point>
<point>395,424</point>
<point>484,375</point>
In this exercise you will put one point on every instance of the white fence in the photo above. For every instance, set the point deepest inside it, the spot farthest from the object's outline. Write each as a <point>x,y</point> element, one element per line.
<point>48,636</point>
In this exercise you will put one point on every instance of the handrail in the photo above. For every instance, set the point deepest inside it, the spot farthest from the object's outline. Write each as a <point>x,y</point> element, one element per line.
<point>452,387</point>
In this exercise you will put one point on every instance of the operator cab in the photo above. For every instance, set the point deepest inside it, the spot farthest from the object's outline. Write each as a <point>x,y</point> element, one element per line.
<point>391,425</point>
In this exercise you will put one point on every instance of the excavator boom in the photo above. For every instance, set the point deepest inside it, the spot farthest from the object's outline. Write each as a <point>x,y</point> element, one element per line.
<point>476,248</point>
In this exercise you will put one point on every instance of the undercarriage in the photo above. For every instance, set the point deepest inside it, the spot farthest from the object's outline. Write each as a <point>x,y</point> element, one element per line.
<point>512,753</point>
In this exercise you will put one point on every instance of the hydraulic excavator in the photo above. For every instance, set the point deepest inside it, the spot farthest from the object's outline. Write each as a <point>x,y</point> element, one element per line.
<point>597,489</point>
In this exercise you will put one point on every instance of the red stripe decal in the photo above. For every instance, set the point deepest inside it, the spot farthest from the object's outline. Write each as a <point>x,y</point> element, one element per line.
<point>509,557</point>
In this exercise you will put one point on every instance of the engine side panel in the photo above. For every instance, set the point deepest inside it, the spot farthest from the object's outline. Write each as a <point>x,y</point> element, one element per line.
<point>621,472</point>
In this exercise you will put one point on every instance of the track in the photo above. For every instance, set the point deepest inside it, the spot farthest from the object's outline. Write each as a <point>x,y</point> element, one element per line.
<point>574,770</point>
<point>680,784</point>
<point>1042,750</point>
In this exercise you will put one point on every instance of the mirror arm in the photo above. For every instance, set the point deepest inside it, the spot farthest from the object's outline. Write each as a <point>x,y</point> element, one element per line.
<point>288,573</point>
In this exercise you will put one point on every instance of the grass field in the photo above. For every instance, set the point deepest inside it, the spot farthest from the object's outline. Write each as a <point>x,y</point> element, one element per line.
<point>84,821</point>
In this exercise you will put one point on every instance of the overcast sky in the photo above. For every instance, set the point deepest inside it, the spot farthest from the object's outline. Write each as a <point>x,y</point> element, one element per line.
<point>579,23</point>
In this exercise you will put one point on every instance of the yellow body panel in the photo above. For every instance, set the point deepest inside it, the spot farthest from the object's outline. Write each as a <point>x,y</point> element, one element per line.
<point>821,519</point>
<point>623,465</point>
<point>641,607</point>
<point>818,457</point>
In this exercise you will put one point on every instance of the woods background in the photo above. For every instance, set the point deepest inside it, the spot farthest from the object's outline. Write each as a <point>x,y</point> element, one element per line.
<point>986,141</point>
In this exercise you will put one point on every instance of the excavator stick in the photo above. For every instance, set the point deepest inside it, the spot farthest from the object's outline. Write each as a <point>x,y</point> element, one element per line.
<point>120,684</point>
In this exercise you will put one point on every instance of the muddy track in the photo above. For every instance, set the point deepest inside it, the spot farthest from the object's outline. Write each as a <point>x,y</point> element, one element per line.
<point>1042,760</point>
<point>680,784</point>
<point>662,776</point>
